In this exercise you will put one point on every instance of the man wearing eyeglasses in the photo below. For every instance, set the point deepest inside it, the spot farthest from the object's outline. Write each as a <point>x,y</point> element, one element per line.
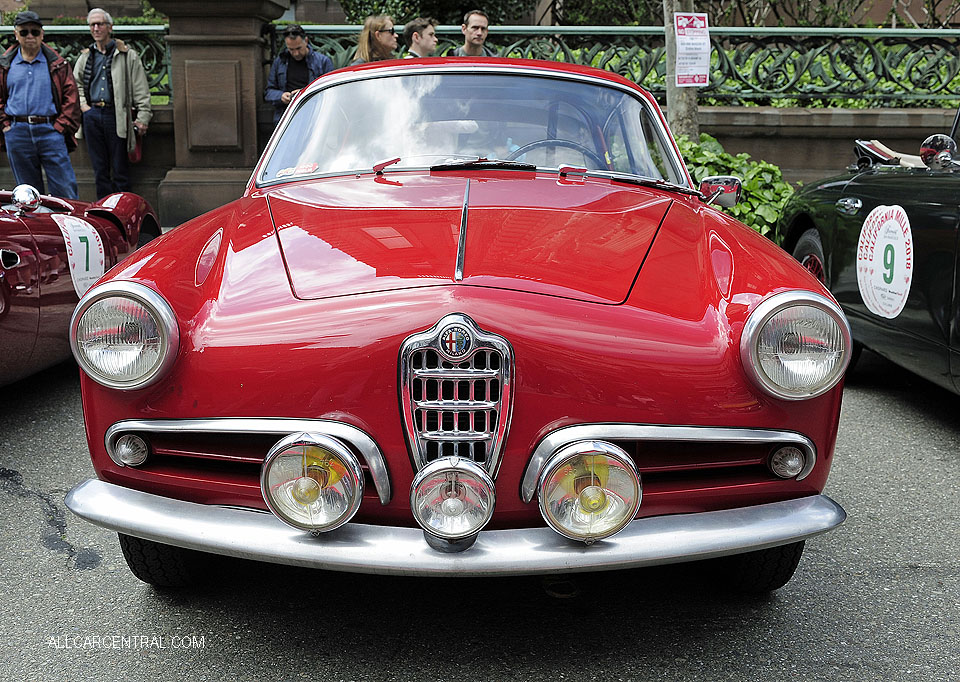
<point>293,69</point>
<point>39,110</point>
<point>112,84</point>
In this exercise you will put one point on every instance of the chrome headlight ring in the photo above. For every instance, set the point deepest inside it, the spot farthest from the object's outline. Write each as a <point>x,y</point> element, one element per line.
<point>156,314</point>
<point>811,347</point>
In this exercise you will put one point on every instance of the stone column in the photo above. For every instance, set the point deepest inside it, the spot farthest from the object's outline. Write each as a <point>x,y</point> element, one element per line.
<point>217,78</point>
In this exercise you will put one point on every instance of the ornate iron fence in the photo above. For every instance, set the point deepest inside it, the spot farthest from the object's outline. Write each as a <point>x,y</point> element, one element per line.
<point>878,67</point>
<point>149,42</point>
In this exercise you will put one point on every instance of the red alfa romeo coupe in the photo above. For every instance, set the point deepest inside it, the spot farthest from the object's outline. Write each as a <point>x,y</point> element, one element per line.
<point>470,317</point>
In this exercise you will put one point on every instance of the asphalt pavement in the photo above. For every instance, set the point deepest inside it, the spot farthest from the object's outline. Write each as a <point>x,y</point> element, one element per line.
<point>877,599</point>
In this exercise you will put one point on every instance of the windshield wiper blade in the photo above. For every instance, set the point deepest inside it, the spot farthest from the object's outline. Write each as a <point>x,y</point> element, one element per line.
<point>643,181</point>
<point>483,162</point>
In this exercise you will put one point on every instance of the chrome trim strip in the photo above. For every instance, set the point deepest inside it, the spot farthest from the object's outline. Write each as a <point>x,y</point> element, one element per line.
<point>651,432</point>
<point>278,426</point>
<point>462,241</point>
<point>361,548</point>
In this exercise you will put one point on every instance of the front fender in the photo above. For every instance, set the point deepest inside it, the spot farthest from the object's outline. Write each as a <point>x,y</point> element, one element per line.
<point>128,211</point>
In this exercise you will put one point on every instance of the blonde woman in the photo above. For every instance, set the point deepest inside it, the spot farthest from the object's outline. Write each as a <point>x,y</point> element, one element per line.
<point>377,40</point>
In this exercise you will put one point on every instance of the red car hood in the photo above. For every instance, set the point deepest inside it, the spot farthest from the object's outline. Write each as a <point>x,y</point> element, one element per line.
<point>524,232</point>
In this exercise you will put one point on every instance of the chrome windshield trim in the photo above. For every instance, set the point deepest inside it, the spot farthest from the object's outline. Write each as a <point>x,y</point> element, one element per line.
<point>462,240</point>
<point>652,432</point>
<point>473,69</point>
<point>278,426</point>
<point>361,548</point>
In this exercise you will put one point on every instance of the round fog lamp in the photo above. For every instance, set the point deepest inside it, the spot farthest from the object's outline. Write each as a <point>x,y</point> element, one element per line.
<point>787,462</point>
<point>589,490</point>
<point>452,498</point>
<point>312,482</point>
<point>130,450</point>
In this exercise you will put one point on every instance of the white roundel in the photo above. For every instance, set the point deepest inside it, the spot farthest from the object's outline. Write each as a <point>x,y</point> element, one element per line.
<point>885,261</point>
<point>84,251</point>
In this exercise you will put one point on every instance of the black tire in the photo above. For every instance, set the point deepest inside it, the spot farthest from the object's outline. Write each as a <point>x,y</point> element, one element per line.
<point>765,570</point>
<point>162,565</point>
<point>809,253</point>
<point>147,235</point>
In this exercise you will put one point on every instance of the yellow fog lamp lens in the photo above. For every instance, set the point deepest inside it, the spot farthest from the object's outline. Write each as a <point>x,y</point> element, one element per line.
<point>589,490</point>
<point>452,498</point>
<point>312,482</point>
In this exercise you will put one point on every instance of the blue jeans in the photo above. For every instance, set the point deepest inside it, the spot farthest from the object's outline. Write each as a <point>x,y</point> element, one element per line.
<point>32,146</point>
<point>107,151</point>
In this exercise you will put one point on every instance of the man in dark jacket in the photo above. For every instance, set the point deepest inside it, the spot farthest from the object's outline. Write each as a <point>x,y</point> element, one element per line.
<point>39,110</point>
<point>293,69</point>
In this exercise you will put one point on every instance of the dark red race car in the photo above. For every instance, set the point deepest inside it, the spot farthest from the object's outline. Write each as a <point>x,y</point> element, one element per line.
<point>471,317</point>
<point>51,251</point>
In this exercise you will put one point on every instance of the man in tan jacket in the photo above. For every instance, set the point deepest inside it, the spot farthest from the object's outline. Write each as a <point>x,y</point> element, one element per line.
<point>112,81</point>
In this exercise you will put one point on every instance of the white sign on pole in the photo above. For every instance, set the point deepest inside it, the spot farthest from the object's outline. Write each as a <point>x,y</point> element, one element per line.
<point>693,49</point>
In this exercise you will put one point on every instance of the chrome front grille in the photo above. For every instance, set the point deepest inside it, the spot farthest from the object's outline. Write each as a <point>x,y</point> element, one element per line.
<point>456,392</point>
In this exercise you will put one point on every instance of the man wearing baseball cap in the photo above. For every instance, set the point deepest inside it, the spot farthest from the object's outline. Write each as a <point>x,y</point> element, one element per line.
<point>39,110</point>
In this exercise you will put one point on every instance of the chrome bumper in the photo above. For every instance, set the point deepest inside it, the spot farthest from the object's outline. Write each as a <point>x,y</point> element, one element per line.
<point>251,534</point>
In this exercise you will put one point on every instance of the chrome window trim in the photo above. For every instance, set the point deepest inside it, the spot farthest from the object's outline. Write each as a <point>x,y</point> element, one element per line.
<point>166,323</point>
<point>473,69</point>
<point>769,307</point>
<point>278,426</point>
<point>653,432</point>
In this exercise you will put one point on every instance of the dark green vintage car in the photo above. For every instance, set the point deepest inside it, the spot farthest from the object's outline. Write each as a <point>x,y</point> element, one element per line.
<point>883,238</point>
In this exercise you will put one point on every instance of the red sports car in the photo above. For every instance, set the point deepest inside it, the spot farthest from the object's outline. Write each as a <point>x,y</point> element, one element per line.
<point>470,317</point>
<point>51,251</point>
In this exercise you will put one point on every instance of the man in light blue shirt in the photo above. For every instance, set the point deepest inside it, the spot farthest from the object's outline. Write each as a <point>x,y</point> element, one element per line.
<point>39,110</point>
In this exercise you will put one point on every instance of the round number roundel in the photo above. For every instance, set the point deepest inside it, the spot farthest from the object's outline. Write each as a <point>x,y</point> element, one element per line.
<point>885,261</point>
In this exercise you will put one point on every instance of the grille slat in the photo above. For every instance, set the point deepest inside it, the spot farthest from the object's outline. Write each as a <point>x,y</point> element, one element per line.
<point>447,436</point>
<point>459,405</point>
<point>458,373</point>
<point>455,392</point>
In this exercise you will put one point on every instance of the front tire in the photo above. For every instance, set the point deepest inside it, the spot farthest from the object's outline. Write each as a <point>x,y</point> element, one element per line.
<point>762,571</point>
<point>809,253</point>
<point>161,565</point>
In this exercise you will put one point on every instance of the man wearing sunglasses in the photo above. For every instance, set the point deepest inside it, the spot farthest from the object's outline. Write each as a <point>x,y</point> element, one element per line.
<point>39,110</point>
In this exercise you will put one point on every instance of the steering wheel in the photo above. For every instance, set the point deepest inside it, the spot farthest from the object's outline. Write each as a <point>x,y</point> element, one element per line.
<point>556,142</point>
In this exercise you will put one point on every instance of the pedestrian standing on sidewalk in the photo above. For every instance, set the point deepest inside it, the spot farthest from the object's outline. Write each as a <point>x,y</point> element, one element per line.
<point>39,111</point>
<point>113,85</point>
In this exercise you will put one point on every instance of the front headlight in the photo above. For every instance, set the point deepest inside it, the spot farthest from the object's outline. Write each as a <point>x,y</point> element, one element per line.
<point>452,498</point>
<point>124,335</point>
<point>589,490</point>
<point>312,482</point>
<point>796,345</point>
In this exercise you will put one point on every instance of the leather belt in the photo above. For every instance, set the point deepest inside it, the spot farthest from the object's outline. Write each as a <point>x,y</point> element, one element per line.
<point>33,119</point>
<point>101,104</point>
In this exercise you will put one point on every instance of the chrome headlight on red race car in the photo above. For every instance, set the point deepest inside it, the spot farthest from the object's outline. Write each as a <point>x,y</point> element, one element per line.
<point>796,345</point>
<point>124,335</point>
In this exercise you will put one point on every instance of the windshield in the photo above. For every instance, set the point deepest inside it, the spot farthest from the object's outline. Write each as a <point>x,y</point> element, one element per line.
<point>433,119</point>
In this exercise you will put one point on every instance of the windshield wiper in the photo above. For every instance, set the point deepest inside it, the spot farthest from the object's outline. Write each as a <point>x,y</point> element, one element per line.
<point>483,162</point>
<point>644,182</point>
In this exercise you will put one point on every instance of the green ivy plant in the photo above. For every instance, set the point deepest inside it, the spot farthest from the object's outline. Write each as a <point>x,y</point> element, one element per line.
<point>764,190</point>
